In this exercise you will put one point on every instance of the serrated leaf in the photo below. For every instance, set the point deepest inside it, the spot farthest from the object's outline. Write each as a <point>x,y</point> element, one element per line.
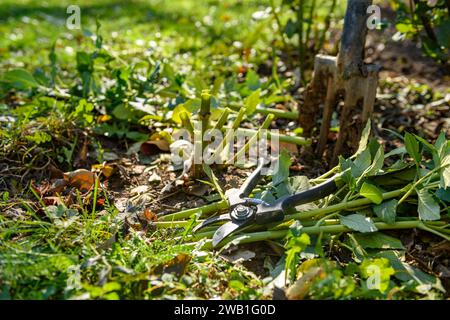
<point>20,78</point>
<point>428,207</point>
<point>252,101</point>
<point>378,240</point>
<point>358,222</point>
<point>412,147</point>
<point>371,192</point>
<point>386,211</point>
<point>298,184</point>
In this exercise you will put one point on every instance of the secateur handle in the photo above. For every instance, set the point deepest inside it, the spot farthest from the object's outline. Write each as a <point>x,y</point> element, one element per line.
<point>315,193</point>
<point>251,182</point>
<point>267,213</point>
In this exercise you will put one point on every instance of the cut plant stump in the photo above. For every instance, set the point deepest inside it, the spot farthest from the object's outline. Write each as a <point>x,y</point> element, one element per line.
<point>343,78</point>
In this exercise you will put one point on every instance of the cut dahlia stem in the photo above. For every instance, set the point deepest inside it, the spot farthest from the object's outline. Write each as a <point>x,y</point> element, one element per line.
<point>202,211</point>
<point>330,229</point>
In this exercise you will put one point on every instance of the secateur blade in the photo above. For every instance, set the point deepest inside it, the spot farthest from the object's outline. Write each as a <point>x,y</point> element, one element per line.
<point>242,208</point>
<point>224,231</point>
<point>212,220</point>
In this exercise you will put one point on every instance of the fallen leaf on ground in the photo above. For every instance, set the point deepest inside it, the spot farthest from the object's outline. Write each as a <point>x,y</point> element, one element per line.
<point>81,179</point>
<point>104,168</point>
<point>154,147</point>
<point>290,147</point>
<point>150,215</point>
<point>177,265</point>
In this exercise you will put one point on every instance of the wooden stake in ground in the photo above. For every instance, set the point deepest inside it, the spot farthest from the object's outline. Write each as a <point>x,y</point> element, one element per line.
<point>345,77</point>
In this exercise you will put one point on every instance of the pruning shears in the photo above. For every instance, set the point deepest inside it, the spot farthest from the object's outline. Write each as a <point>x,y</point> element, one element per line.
<point>246,211</point>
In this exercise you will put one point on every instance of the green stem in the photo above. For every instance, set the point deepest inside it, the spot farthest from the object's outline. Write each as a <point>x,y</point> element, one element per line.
<point>413,187</point>
<point>283,114</point>
<point>292,115</point>
<point>317,213</point>
<point>279,234</point>
<point>281,137</point>
<point>253,139</point>
<point>205,210</point>
<point>222,120</point>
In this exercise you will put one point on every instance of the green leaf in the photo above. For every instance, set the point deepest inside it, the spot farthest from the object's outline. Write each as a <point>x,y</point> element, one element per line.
<point>428,207</point>
<point>298,184</point>
<point>347,177</point>
<point>364,138</point>
<point>371,192</point>
<point>440,142</point>
<point>296,243</point>
<point>21,79</point>
<point>252,101</point>
<point>177,111</point>
<point>445,173</point>
<point>443,194</point>
<point>123,112</point>
<point>290,28</point>
<point>395,152</point>
<point>377,163</point>
<point>378,270</point>
<point>406,272</point>
<point>213,179</point>
<point>378,240</point>
<point>361,163</point>
<point>282,172</point>
<point>412,146</point>
<point>404,27</point>
<point>252,80</point>
<point>358,222</point>
<point>386,211</point>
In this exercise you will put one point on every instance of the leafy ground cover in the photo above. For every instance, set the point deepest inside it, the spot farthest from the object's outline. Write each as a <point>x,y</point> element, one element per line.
<point>86,123</point>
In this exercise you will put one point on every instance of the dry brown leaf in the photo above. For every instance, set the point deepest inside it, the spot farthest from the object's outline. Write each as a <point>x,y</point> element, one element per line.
<point>58,186</point>
<point>290,147</point>
<point>55,173</point>
<point>177,265</point>
<point>150,215</point>
<point>154,147</point>
<point>104,168</point>
<point>81,179</point>
<point>301,287</point>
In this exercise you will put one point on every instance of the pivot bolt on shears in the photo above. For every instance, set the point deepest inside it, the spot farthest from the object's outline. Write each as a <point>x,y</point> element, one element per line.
<point>246,211</point>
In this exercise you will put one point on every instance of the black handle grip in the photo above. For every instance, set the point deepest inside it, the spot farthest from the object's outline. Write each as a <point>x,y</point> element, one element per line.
<point>251,182</point>
<point>315,193</point>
